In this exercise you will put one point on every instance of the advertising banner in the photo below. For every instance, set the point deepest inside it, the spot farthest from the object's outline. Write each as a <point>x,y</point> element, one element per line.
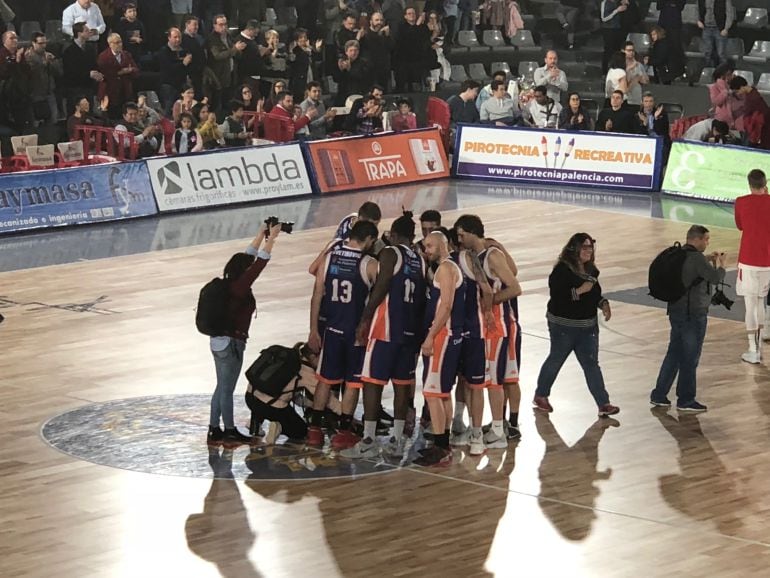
<point>379,160</point>
<point>91,194</point>
<point>709,171</point>
<point>228,176</point>
<point>585,159</point>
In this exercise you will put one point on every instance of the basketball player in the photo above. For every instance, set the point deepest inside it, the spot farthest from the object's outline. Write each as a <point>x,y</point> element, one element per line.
<point>341,290</point>
<point>389,327</point>
<point>445,317</point>
<point>430,221</point>
<point>500,341</point>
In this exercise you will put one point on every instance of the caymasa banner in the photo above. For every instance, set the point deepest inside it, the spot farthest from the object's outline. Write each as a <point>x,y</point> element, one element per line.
<point>224,177</point>
<point>90,194</point>
<point>378,160</point>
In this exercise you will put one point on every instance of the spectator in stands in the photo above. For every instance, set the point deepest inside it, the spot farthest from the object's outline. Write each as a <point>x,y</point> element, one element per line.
<point>15,78</point>
<point>493,13</point>
<point>234,128</point>
<point>221,50</point>
<point>462,107</point>
<point>574,116</point>
<point>284,108</point>
<point>249,64</point>
<point>250,102</point>
<point>666,60</point>
<point>305,63</point>
<point>451,12</point>
<point>274,57</point>
<point>500,109</point>
<point>200,113</point>
<point>186,138</point>
<point>145,138</point>
<point>412,51</point>
<point>438,65</point>
<point>45,70</point>
<point>185,103</point>
<point>617,117</point>
<point>467,11</point>
<point>636,77</point>
<point>173,62</point>
<point>192,44</point>
<point>551,77</point>
<point>612,32</point>
<point>346,33</point>
<point>567,13</point>
<point>486,92</point>
<point>369,116</point>
<point>722,99</point>
<point>79,59</point>
<point>376,47</point>
<point>119,70</point>
<point>179,9</point>
<point>670,20</point>
<point>146,115</point>
<point>350,121</point>
<point>132,32</point>
<point>211,135</point>
<point>82,115</point>
<point>715,18</point>
<point>277,88</point>
<point>404,118</point>
<point>755,114</point>
<point>653,121</point>
<point>83,11</point>
<point>353,74</point>
<point>320,124</point>
<point>542,111</point>
<point>155,16</point>
<point>616,76</point>
<point>709,130</point>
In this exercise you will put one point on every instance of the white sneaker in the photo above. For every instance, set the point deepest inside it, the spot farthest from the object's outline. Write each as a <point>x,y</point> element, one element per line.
<point>272,433</point>
<point>460,438</point>
<point>366,448</point>
<point>476,445</point>
<point>751,357</point>
<point>493,442</point>
<point>394,448</point>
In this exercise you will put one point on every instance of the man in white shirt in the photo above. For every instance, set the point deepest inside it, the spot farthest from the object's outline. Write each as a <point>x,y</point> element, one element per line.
<point>84,11</point>
<point>550,76</point>
<point>319,125</point>
<point>708,130</point>
<point>500,109</point>
<point>542,111</point>
<point>486,92</point>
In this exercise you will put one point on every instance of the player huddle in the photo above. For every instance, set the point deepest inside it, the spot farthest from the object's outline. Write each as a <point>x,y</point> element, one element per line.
<point>379,305</point>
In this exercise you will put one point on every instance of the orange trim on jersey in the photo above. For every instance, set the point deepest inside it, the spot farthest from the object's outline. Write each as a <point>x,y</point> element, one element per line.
<point>484,385</point>
<point>511,381</point>
<point>439,348</point>
<point>354,384</point>
<point>439,395</point>
<point>494,386</point>
<point>322,379</point>
<point>372,381</point>
<point>402,381</point>
<point>380,329</point>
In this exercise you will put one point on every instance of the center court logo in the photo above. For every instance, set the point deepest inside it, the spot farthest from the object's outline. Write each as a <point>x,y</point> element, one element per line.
<point>170,178</point>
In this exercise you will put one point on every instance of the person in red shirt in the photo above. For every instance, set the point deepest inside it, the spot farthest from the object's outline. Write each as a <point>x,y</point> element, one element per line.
<point>285,109</point>
<point>752,216</point>
<point>404,119</point>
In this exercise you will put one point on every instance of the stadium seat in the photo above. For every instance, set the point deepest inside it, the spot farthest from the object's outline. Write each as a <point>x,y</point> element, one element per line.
<point>53,31</point>
<point>467,39</point>
<point>747,74</point>
<point>591,107</point>
<point>690,14</point>
<point>695,48</point>
<point>763,84</point>
<point>28,28</point>
<point>652,14</point>
<point>438,114</point>
<point>755,18</point>
<point>760,52</point>
<point>674,110</point>
<point>287,15</point>
<point>493,38</point>
<point>523,39</point>
<point>501,66</point>
<point>527,68</point>
<point>573,70</point>
<point>735,49</point>
<point>477,72</point>
<point>641,41</point>
<point>458,73</point>
<point>706,76</point>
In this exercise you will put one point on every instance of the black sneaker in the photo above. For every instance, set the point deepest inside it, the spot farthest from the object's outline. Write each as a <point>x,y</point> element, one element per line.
<point>660,402</point>
<point>215,436</point>
<point>233,436</point>
<point>692,407</point>
<point>513,433</point>
<point>385,417</point>
<point>438,457</point>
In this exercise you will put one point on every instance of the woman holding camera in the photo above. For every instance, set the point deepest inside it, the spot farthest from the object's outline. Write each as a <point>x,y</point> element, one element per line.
<point>240,273</point>
<point>572,322</point>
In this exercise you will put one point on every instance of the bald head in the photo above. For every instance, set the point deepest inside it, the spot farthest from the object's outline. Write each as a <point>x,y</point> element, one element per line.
<point>436,246</point>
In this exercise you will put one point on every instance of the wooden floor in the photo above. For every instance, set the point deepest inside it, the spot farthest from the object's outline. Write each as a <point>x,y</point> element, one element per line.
<point>653,494</point>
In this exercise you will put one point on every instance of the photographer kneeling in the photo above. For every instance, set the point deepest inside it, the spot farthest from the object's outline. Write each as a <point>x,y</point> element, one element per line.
<point>283,419</point>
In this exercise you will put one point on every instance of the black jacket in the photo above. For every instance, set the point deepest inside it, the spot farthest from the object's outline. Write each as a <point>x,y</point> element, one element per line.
<point>668,63</point>
<point>298,68</point>
<point>720,12</point>
<point>565,304</point>
<point>78,64</point>
<point>565,120</point>
<point>249,62</point>
<point>376,48</point>
<point>622,120</point>
<point>670,13</point>
<point>194,46</point>
<point>172,70</point>
<point>357,80</point>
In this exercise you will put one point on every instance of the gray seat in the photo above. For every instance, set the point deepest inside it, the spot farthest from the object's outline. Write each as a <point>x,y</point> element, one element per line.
<point>468,40</point>
<point>760,52</point>
<point>523,39</point>
<point>674,110</point>
<point>477,72</point>
<point>695,48</point>
<point>763,84</point>
<point>641,41</point>
<point>28,28</point>
<point>53,31</point>
<point>527,68</point>
<point>734,48</point>
<point>591,107</point>
<point>747,74</point>
<point>501,66</point>
<point>755,18</point>
<point>706,76</point>
<point>271,18</point>
<point>652,14</point>
<point>458,73</point>
<point>493,38</point>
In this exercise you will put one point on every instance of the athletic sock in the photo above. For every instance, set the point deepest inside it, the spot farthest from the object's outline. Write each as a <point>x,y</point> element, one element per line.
<point>497,428</point>
<point>459,411</point>
<point>442,440</point>
<point>514,419</point>
<point>315,418</point>
<point>752,336</point>
<point>398,428</point>
<point>476,432</point>
<point>346,421</point>
<point>370,429</point>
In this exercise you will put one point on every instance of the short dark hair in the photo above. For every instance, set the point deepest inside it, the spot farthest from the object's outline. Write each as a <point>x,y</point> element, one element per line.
<point>299,33</point>
<point>629,43</point>
<point>168,32</point>
<point>757,179</point>
<point>36,35</point>
<point>617,60</point>
<point>348,15</point>
<point>406,101</point>
<point>237,266</point>
<point>470,224</point>
<point>185,115</point>
<point>376,87</point>
<point>720,126</point>
<point>363,229</point>
<point>737,82</point>
<point>723,69</point>
<point>130,105</point>
<point>254,25</point>
<point>403,227</point>
<point>188,18</point>
<point>369,211</point>
<point>620,92</point>
<point>469,84</point>
<point>431,216</point>
<point>77,28</point>
<point>312,84</point>
<point>497,84</point>
<point>281,95</point>
<point>127,6</point>
<point>696,232</point>
<point>368,98</point>
<point>497,73</point>
<point>236,105</point>
<point>541,89</point>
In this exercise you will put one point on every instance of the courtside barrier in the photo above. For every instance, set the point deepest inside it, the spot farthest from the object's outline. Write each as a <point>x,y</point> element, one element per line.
<point>224,177</point>
<point>379,160</point>
<point>586,159</point>
<point>89,194</point>
<point>709,171</point>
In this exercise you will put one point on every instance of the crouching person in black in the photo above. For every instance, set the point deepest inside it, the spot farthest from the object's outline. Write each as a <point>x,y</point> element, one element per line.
<point>283,419</point>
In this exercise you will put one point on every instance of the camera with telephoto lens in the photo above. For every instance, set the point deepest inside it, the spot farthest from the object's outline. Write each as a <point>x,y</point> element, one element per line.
<point>719,297</point>
<point>286,227</point>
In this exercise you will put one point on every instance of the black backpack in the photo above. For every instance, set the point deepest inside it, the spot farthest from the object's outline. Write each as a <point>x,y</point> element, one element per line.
<point>275,368</point>
<point>665,274</point>
<point>212,316</point>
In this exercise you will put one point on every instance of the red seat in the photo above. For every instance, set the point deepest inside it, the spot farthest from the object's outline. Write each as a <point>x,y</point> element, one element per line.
<point>680,125</point>
<point>438,114</point>
<point>104,138</point>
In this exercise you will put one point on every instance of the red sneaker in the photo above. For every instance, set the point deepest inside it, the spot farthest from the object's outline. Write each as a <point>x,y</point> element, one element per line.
<point>608,409</point>
<point>344,440</point>
<point>315,436</point>
<point>542,404</point>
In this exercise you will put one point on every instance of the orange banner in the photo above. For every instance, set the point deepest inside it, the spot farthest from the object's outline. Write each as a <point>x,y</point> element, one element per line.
<point>379,160</point>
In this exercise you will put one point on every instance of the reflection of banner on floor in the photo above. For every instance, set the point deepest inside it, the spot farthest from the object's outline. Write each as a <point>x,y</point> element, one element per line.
<point>91,194</point>
<point>377,160</point>
<point>711,171</point>
<point>558,157</point>
<point>693,211</point>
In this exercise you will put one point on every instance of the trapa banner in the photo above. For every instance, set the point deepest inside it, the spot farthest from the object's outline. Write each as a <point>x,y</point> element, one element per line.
<point>709,171</point>
<point>558,157</point>
<point>50,198</point>
<point>228,176</point>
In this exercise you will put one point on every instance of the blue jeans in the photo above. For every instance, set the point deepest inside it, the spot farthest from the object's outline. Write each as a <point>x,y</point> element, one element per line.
<point>584,341</point>
<point>682,357</point>
<point>712,42</point>
<point>228,364</point>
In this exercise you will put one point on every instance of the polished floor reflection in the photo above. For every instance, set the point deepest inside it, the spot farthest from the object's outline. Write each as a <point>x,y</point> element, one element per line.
<point>100,355</point>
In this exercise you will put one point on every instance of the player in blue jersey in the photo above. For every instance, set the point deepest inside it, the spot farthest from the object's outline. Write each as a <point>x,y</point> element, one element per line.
<point>341,289</point>
<point>445,319</point>
<point>389,327</point>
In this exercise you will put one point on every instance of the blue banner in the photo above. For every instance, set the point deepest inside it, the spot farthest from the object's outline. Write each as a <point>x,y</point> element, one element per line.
<point>60,197</point>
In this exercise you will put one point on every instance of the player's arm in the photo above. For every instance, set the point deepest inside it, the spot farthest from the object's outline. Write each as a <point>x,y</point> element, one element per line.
<point>508,259</point>
<point>387,266</point>
<point>481,280</point>
<point>314,339</point>
<point>445,277</point>
<point>371,271</point>
<point>503,272</point>
<point>318,261</point>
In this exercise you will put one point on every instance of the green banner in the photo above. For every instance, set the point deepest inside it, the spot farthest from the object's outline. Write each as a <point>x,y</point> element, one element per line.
<point>697,212</point>
<point>711,171</point>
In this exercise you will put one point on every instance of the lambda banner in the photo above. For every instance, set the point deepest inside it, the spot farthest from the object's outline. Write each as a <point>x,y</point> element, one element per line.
<point>227,177</point>
<point>377,160</point>
<point>558,157</point>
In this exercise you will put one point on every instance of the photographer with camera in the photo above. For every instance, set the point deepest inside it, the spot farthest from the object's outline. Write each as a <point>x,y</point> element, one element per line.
<point>688,318</point>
